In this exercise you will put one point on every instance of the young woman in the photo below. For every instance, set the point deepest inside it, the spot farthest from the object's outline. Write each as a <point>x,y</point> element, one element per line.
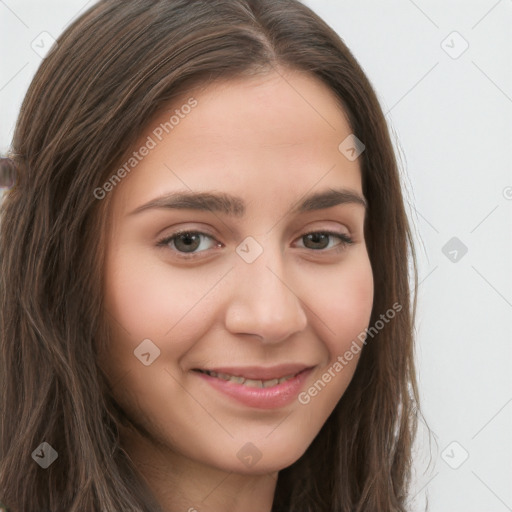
<point>205,296</point>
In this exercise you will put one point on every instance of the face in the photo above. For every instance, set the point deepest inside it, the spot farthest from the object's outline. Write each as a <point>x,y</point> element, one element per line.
<point>252,264</point>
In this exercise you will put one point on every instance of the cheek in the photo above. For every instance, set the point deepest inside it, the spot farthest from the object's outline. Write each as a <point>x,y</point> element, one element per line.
<point>344,308</point>
<point>149,300</point>
<point>342,300</point>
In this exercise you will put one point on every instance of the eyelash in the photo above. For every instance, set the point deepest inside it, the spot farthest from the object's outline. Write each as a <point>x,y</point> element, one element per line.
<point>164,242</point>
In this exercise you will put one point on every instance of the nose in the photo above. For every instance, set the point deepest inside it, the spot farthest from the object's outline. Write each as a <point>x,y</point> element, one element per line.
<point>264,301</point>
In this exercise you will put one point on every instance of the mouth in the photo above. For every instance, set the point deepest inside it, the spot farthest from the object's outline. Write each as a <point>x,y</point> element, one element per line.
<point>252,383</point>
<point>258,387</point>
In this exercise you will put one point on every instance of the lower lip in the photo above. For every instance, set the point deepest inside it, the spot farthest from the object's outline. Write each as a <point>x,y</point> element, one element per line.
<point>261,398</point>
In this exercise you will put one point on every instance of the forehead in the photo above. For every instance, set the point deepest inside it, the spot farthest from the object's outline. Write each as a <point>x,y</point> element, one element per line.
<point>263,137</point>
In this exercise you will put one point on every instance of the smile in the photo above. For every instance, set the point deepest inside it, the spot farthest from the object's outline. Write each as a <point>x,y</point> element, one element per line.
<point>258,387</point>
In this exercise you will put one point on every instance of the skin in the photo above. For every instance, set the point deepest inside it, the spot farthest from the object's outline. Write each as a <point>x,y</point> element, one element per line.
<point>270,140</point>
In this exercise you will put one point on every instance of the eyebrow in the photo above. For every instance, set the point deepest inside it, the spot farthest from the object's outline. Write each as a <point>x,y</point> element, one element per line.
<point>235,206</point>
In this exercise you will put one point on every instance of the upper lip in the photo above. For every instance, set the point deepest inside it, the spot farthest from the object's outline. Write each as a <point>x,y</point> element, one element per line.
<point>260,372</point>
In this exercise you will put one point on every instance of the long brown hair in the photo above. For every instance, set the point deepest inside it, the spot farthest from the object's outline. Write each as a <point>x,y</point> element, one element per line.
<point>112,70</point>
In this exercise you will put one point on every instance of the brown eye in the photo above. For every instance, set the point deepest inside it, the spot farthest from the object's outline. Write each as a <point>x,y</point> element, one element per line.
<point>187,242</point>
<point>320,240</point>
<point>317,240</point>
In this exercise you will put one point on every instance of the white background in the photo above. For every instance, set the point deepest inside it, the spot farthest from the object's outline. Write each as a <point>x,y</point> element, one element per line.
<point>451,116</point>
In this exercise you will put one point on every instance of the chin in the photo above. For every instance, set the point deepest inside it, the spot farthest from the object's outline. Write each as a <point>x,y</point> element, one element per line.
<point>266,456</point>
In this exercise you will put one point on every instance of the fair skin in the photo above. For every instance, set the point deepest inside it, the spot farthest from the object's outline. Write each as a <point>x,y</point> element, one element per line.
<point>269,140</point>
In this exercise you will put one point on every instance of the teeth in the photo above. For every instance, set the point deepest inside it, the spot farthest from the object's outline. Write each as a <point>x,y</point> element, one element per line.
<point>253,383</point>
<point>248,382</point>
<point>270,383</point>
